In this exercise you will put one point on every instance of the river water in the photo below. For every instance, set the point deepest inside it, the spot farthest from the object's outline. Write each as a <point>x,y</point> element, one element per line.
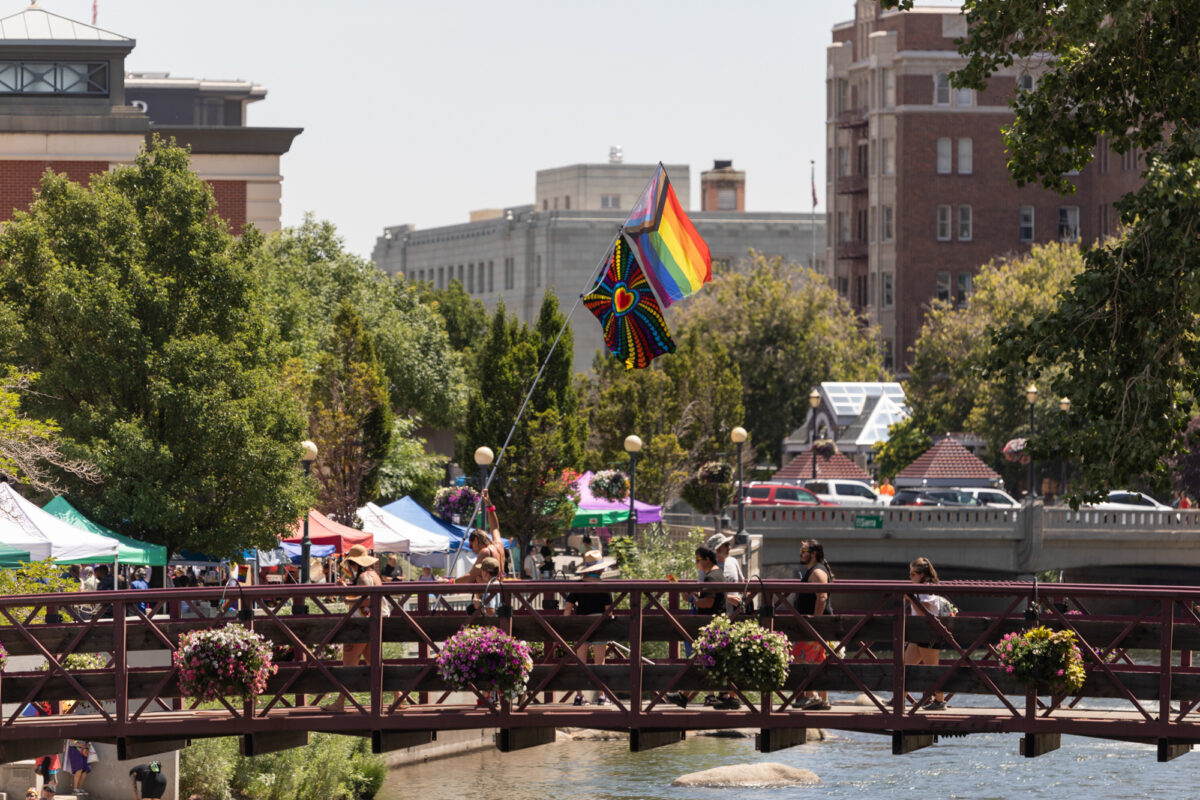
<point>850,765</point>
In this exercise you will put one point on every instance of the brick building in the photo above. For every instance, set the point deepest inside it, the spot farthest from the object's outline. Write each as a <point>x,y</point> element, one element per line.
<point>919,194</point>
<point>69,106</point>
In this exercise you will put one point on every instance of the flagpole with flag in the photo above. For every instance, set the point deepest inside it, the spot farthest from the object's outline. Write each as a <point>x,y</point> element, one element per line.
<point>813,216</point>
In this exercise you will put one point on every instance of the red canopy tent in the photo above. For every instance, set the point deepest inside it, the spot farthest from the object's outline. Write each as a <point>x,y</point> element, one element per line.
<point>323,530</point>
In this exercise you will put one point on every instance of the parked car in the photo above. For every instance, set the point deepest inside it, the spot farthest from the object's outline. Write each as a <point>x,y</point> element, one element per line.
<point>933,497</point>
<point>1126,500</point>
<point>845,492</point>
<point>780,494</point>
<point>992,498</point>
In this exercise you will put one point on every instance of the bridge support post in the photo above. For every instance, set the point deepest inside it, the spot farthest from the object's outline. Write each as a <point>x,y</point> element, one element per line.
<point>648,738</point>
<point>256,744</point>
<point>510,739</point>
<point>770,740</point>
<point>386,741</point>
<point>1038,744</point>
<point>904,742</point>
<point>1170,749</point>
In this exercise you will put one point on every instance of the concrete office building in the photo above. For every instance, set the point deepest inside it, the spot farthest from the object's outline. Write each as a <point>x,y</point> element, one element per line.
<point>68,105</point>
<point>919,194</point>
<point>516,254</point>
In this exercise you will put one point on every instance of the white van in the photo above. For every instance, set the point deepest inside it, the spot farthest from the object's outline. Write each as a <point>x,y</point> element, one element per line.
<point>845,492</point>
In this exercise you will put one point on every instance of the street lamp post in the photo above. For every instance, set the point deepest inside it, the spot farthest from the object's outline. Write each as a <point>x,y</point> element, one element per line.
<point>307,457</point>
<point>1031,394</point>
<point>738,436</point>
<point>814,400</point>
<point>1064,405</point>
<point>633,446</point>
<point>483,459</point>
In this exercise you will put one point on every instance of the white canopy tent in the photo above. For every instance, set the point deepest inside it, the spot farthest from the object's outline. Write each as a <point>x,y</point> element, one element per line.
<point>396,535</point>
<point>25,526</point>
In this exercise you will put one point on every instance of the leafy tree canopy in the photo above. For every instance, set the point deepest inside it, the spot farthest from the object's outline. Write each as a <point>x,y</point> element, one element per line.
<point>140,312</point>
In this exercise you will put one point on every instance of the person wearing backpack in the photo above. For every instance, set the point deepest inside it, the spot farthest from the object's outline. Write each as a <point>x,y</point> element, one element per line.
<point>929,605</point>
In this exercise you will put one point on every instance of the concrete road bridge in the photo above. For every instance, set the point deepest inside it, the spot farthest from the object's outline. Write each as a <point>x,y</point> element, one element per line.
<point>991,542</point>
<point>1141,684</point>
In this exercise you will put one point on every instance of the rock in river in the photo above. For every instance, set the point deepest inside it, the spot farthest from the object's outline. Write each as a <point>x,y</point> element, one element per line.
<point>738,775</point>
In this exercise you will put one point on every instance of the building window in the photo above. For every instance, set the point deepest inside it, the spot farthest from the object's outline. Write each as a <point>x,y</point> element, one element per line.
<point>1102,220</point>
<point>941,89</point>
<point>863,160</point>
<point>556,204</point>
<point>470,279</point>
<point>460,273</point>
<point>441,278</point>
<point>963,292</point>
<point>964,98</point>
<point>888,357</point>
<point>860,290</point>
<point>545,204</point>
<point>843,286</point>
<point>889,157</point>
<point>1068,224</point>
<point>943,223</point>
<point>537,274</point>
<point>944,156</point>
<point>567,202</point>
<point>491,281</point>
<point>966,156</point>
<point>887,87</point>
<point>843,227</point>
<point>843,95</point>
<point>1026,225</point>
<point>1025,83</point>
<point>861,224</point>
<point>610,201</point>
<point>943,287</point>
<point>964,223</point>
<point>887,292</point>
<point>843,167</point>
<point>871,224</point>
<point>726,199</point>
<point>888,222</point>
<point>1129,159</point>
<point>47,77</point>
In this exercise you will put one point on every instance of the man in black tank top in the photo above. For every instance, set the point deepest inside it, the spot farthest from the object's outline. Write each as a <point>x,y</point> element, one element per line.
<point>812,558</point>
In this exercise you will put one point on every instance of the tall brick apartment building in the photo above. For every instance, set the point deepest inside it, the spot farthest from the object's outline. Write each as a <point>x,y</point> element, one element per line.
<point>67,104</point>
<point>919,195</point>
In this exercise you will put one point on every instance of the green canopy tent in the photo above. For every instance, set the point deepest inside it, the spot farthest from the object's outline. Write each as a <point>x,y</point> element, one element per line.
<point>129,551</point>
<point>11,557</point>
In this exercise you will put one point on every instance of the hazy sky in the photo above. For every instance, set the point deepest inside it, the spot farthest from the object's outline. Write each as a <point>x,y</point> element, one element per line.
<point>418,111</point>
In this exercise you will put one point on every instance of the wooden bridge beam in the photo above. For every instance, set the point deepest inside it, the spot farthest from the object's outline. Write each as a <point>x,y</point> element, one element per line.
<point>904,742</point>
<point>257,744</point>
<point>1038,744</point>
<point>131,747</point>
<point>1170,749</point>
<point>648,738</point>
<point>386,741</point>
<point>510,739</point>
<point>769,740</point>
<point>20,749</point>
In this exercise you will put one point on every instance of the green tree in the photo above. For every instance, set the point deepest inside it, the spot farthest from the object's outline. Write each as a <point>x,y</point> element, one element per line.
<point>1124,70</point>
<point>140,312</point>
<point>465,317</point>
<point>306,274</point>
<point>950,389</point>
<point>787,330</point>
<point>408,469</point>
<point>906,442</point>
<point>531,496</point>
<point>29,451</point>
<point>350,419</point>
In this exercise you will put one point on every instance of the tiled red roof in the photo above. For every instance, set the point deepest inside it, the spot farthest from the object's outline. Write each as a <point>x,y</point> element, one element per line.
<point>836,466</point>
<point>948,459</point>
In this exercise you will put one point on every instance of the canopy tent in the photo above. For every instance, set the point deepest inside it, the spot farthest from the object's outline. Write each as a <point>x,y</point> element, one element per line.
<point>25,526</point>
<point>592,512</point>
<point>11,557</point>
<point>410,510</point>
<point>129,550</point>
<point>287,553</point>
<point>323,530</point>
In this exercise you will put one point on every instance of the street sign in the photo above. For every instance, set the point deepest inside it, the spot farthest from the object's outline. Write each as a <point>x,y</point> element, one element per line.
<point>869,521</point>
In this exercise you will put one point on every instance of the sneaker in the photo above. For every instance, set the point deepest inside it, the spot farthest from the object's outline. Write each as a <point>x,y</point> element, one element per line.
<point>677,698</point>
<point>579,700</point>
<point>804,702</point>
<point>819,705</point>
<point>936,705</point>
<point>727,704</point>
<point>711,699</point>
<point>602,700</point>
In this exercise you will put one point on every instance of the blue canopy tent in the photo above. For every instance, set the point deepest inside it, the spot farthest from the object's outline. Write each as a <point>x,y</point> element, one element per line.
<point>413,513</point>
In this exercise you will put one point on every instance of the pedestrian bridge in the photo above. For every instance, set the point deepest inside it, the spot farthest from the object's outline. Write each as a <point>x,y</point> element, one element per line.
<point>1002,541</point>
<point>1141,684</point>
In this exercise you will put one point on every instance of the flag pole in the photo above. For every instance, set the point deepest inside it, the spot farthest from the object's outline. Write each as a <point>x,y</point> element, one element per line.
<point>542,370</point>
<point>812,218</point>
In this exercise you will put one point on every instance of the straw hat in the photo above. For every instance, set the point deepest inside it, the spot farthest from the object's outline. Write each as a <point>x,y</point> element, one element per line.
<point>358,555</point>
<point>594,563</point>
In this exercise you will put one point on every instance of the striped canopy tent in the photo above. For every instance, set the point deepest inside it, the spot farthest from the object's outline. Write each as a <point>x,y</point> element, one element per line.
<point>129,550</point>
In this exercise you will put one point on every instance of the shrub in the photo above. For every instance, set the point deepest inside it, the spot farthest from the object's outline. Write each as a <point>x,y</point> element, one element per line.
<point>744,653</point>
<point>1043,659</point>
<point>231,661</point>
<point>487,658</point>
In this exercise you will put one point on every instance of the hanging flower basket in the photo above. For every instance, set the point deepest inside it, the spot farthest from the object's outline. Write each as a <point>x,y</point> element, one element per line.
<point>455,501</point>
<point>487,659</point>
<point>3,658</point>
<point>611,485</point>
<point>1016,450</point>
<point>226,662</point>
<point>1044,659</point>
<point>744,653</point>
<point>715,472</point>
<point>825,448</point>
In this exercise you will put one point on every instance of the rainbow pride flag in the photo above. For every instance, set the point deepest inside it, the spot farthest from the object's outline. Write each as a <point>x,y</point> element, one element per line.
<point>673,256</point>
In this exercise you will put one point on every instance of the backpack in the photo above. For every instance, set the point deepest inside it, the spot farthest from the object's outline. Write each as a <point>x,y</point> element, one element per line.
<point>942,607</point>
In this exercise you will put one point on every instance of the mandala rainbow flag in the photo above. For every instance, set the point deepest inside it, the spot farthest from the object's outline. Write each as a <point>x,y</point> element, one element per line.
<point>633,324</point>
<point>673,255</point>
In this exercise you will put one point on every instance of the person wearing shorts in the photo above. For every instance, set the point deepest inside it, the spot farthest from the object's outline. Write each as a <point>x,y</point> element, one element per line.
<point>77,761</point>
<point>816,570</point>
<point>922,572</point>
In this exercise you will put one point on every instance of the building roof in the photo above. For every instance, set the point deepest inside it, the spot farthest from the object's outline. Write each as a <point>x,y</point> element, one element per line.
<point>947,463</point>
<point>35,25</point>
<point>837,466</point>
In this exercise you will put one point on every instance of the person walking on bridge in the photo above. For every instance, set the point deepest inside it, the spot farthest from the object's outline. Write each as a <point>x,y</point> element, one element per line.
<point>923,651</point>
<point>814,570</point>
